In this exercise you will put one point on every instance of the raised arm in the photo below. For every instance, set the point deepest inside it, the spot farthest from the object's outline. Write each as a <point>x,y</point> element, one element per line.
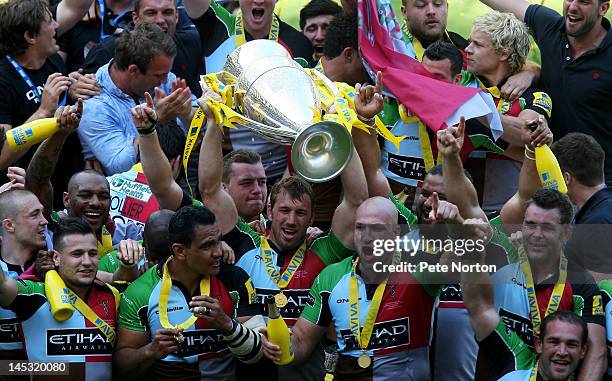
<point>196,8</point>
<point>210,171</point>
<point>459,190</point>
<point>513,211</point>
<point>155,165</point>
<point>476,286</point>
<point>69,13</point>
<point>518,7</point>
<point>42,165</point>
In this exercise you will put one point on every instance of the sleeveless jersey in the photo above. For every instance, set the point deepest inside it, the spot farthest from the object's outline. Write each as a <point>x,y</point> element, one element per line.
<point>76,340</point>
<point>402,326</point>
<point>204,353</point>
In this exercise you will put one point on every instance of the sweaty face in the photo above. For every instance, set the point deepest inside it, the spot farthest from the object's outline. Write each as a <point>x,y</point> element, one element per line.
<point>581,16</point>
<point>89,198</point>
<point>561,350</point>
<point>77,260</point>
<point>30,224</point>
<point>481,56</point>
<point>204,254</point>
<point>257,16</point>
<point>156,74</point>
<point>161,12</point>
<point>290,219</point>
<point>432,183</point>
<point>315,29</point>
<point>247,187</point>
<point>543,235</point>
<point>440,69</point>
<point>426,19</point>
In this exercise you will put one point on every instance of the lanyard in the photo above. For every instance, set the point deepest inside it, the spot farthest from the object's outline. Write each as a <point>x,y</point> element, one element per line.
<point>113,22</point>
<point>164,295</point>
<point>105,245</point>
<point>555,298</point>
<point>416,44</point>
<point>28,81</point>
<point>194,130</point>
<point>240,33</point>
<point>363,335</point>
<point>281,280</point>
<point>90,315</point>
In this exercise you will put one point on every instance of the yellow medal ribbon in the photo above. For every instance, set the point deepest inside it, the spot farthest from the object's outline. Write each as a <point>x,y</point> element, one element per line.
<point>281,280</point>
<point>423,138</point>
<point>89,314</point>
<point>241,34</point>
<point>194,130</point>
<point>105,245</point>
<point>555,297</point>
<point>164,295</point>
<point>363,335</point>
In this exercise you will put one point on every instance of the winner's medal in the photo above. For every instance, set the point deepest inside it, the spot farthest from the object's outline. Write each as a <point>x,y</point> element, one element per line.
<point>281,300</point>
<point>364,361</point>
<point>179,338</point>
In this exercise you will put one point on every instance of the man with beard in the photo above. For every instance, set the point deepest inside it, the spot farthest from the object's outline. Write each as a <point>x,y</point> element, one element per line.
<point>576,49</point>
<point>538,272</point>
<point>560,346</point>
<point>283,247</point>
<point>356,296</point>
<point>85,340</point>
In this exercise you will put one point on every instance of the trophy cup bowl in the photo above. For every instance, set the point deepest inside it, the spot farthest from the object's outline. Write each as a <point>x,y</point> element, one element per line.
<point>281,102</point>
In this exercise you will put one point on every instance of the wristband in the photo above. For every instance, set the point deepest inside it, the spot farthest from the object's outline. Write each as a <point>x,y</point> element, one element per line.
<point>368,121</point>
<point>149,125</point>
<point>529,157</point>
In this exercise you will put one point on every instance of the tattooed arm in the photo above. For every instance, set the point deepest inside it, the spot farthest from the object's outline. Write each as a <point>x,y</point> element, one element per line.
<point>43,162</point>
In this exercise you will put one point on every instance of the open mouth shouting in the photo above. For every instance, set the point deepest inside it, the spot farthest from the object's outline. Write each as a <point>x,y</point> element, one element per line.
<point>258,15</point>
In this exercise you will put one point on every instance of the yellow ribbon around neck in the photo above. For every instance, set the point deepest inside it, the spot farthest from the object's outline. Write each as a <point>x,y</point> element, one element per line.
<point>89,314</point>
<point>281,280</point>
<point>416,44</point>
<point>363,335</point>
<point>555,297</point>
<point>164,296</point>
<point>428,158</point>
<point>105,245</point>
<point>241,35</point>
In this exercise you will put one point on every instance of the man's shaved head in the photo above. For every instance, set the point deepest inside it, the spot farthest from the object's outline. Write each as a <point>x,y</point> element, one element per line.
<point>12,201</point>
<point>379,207</point>
<point>156,240</point>
<point>78,177</point>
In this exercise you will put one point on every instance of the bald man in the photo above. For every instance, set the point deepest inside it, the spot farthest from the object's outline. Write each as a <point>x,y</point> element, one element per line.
<point>404,304</point>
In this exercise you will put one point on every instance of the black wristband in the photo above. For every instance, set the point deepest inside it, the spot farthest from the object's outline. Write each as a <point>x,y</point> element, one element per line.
<point>149,127</point>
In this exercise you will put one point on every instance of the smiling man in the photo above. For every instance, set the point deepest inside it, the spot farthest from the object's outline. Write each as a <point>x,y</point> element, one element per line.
<point>85,340</point>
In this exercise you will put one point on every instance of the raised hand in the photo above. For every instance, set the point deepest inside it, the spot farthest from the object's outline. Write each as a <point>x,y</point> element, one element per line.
<point>175,104</point>
<point>450,140</point>
<point>536,132</point>
<point>54,87</point>
<point>144,115</point>
<point>369,99</point>
<point>129,252</point>
<point>69,117</point>
<point>83,86</point>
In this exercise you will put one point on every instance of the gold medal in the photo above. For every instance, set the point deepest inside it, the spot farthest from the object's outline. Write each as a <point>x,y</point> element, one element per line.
<point>364,361</point>
<point>280,299</point>
<point>179,338</point>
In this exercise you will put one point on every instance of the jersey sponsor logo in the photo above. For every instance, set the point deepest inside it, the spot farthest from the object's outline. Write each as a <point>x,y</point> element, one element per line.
<point>77,342</point>
<point>9,331</point>
<point>33,97</point>
<point>521,325</point>
<point>451,293</point>
<point>177,308</point>
<point>201,341</point>
<point>387,334</point>
<point>406,166</point>
<point>132,189</point>
<point>296,300</point>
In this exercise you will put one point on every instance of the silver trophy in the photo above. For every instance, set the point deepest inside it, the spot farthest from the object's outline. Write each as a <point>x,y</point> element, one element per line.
<point>280,103</point>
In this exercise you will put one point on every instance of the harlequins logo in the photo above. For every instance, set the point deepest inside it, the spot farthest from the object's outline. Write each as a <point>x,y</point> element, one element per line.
<point>77,342</point>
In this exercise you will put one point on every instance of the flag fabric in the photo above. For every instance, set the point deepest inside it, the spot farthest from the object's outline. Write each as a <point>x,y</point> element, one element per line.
<point>436,103</point>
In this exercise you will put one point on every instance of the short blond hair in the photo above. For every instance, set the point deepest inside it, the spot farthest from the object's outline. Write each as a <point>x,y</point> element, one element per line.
<point>508,35</point>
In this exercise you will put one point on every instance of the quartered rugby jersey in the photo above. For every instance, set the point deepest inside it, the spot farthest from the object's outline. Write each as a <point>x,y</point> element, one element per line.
<point>323,252</point>
<point>10,330</point>
<point>203,353</point>
<point>403,322</point>
<point>76,340</point>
